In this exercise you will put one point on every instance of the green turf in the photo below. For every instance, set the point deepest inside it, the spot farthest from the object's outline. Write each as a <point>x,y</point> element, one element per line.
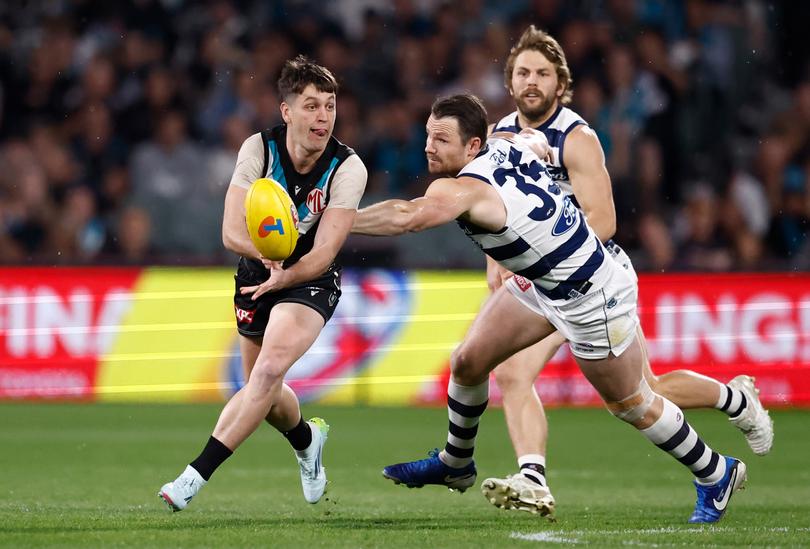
<point>87,475</point>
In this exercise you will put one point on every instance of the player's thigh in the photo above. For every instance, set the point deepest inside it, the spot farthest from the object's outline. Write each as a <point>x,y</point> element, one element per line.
<point>615,377</point>
<point>249,348</point>
<point>291,330</point>
<point>526,365</point>
<point>502,327</point>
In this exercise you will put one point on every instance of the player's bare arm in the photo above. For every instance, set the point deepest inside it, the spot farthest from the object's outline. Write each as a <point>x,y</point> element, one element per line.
<point>445,200</point>
<point>235,235</point>
<point>248,168</point>
<point>496,274</point>
<point>585,161</point>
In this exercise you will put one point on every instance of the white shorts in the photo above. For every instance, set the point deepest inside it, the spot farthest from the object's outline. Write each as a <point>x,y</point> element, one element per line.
<point>621,257</point>
<point>601,322</point>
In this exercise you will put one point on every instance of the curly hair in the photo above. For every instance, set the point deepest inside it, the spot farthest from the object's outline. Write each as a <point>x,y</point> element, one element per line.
<point>537,40</point>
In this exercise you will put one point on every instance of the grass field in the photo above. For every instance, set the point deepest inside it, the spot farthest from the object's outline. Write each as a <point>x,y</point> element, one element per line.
<point>87,475</point>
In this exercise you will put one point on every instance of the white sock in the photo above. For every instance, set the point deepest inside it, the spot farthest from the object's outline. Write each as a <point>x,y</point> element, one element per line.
<point>533,466</point>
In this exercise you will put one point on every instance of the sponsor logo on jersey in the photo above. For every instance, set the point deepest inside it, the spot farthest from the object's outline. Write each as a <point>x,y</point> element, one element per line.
<point>315,201</point>
<point>243,315</point>
<point>498,157</point>
<point>270,224</point>
<point>567,218</point>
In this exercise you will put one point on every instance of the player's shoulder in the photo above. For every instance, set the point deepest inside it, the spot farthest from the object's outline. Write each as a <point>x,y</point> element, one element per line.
<point>490,157</point>
<point>508,123</point>
<point>354,167</point>
<point>254,140</point>
<point>567,119</point>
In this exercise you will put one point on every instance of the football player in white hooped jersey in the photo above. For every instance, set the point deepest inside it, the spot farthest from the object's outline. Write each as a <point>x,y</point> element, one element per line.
<point>503,199</point>
<point>537,76</point>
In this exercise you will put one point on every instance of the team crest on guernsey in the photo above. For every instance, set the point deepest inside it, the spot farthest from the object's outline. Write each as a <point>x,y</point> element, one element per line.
<point>315,201</point>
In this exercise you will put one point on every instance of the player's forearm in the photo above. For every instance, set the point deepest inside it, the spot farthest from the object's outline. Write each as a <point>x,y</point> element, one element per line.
<point>388,218</point>
<point>240,244</point>
<point>311,265</point>
<point>602,223</point>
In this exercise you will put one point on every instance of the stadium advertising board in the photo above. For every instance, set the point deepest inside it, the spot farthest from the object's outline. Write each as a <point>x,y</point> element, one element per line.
<point>168,335</point>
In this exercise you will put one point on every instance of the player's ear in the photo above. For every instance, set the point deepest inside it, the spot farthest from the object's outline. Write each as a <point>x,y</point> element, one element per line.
<point>474,145</point>
<point>285,112</point>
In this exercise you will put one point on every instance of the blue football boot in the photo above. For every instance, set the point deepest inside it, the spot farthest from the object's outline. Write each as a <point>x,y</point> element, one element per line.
<point>415,474</point>
<point>713,499</point>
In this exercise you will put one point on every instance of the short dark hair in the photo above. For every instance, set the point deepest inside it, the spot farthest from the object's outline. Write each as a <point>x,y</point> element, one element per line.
<point>298,73</point>
<point>468,111</point>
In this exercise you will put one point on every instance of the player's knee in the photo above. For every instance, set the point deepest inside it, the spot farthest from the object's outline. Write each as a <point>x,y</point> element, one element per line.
<point>465,368</point>
<point>509,379</point>
<point>635,408</point>
<point>268,371</point>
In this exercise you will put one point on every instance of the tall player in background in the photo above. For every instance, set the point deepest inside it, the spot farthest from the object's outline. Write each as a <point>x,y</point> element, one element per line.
<point>281,308</point>
<point>537,76</point>
<point>499,192</point>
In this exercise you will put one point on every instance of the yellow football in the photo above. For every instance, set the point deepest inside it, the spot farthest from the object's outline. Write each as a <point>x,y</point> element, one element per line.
<point>272,219</point>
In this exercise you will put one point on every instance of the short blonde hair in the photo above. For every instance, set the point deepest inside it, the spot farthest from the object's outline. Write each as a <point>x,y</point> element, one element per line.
<point>537,40</point>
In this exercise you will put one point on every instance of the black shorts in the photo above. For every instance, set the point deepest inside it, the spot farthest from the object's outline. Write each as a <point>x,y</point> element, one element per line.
<point>321,294</point>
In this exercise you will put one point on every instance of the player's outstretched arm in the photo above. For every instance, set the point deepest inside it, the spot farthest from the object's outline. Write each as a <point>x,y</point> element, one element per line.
<point>585,161</point>
<point>445,200</point>
<point>235,235</point>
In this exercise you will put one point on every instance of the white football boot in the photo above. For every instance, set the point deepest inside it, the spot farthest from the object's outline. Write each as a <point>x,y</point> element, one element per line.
<point>313,473</point>
<point>178,494</point>
<point>753,421</point>
<point>519,493</point>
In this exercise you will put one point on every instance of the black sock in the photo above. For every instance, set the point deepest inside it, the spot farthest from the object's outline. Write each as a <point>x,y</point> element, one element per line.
<point>211,457</point>
<point>300,436</point>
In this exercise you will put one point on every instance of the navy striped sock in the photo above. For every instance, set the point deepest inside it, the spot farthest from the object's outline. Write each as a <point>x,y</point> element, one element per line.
<point>674,435</point>
<point>731,401</point>
<point>464,408</point>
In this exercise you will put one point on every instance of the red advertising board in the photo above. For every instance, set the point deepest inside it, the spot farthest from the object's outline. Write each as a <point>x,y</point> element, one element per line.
<point>55,323</point>
<point>717,325</point>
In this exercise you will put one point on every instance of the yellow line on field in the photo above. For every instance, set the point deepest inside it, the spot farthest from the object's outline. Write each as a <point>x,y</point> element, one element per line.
<point>230,325</point>
<point>190,355</point>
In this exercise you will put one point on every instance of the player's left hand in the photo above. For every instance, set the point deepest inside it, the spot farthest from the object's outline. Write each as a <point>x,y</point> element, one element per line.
<point>279,279</point>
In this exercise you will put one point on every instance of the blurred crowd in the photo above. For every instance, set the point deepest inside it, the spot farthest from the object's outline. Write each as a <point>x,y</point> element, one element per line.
<point>120,121</point>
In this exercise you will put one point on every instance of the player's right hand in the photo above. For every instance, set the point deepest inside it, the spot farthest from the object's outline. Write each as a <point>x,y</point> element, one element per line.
<point>537,142</point>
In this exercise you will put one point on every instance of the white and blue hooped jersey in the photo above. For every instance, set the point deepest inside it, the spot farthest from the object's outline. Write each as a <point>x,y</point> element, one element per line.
<point>546,238</point>
<point>556,129</point>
